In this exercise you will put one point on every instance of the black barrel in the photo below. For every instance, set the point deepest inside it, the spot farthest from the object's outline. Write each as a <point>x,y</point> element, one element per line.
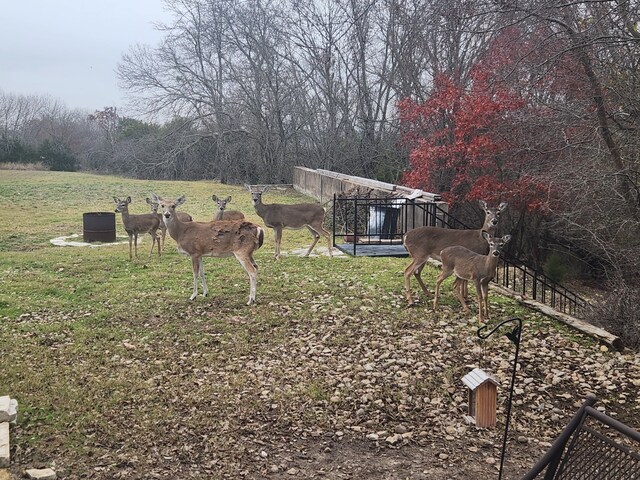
<point>99,226</point>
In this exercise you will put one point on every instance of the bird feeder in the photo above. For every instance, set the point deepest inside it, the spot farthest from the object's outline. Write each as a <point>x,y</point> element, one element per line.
<point>483,398</point>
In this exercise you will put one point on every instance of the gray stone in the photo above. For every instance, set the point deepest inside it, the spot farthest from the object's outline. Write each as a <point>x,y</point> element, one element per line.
<point>8,409</point>
<point>5,458</point>
<point>41,474</point>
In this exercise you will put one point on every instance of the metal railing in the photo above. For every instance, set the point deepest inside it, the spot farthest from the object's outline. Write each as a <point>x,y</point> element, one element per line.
<point>537,286</point>
<point>361,221</point>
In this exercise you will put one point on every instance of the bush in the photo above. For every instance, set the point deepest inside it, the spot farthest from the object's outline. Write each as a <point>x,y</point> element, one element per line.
<point>619,312</point>
<point>57,156</point>
<point>555,267</point>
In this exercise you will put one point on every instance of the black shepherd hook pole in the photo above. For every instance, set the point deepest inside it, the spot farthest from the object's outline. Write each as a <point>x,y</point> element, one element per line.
<point>514,336</point>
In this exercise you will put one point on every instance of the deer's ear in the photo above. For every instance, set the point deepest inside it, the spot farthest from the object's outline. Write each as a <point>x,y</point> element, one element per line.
<point>228,199</point>
<point>180,200</point>
<point>506,238</point>
<point>115,199</point>
<point>248,187</point>
<point>148,200</point>
<point>483,204</point>
<point>214,198</point>
<point>129,199</point>
<point>486,235</point>
<point>155,197</point>
<point>266,189</point>
<point>503,206</point>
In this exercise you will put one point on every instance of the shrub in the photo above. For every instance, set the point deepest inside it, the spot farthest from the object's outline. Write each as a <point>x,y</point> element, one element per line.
<point>619,312</point>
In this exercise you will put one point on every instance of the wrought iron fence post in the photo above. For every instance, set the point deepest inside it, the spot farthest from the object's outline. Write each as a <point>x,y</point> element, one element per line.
<point>514,336</point>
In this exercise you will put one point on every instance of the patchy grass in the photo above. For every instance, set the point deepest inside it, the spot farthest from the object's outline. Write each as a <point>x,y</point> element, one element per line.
<point>119,375</point>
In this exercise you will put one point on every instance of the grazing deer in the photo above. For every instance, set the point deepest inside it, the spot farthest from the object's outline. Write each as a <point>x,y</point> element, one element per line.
<point>220,212</point>
<point>213,239</point>
<point>423,243</point>
<point>137,224</point>
<point>467,265</point>
<point>280,216</point>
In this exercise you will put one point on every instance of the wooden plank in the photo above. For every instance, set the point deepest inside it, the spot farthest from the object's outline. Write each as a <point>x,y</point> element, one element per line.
<point>595,332</point>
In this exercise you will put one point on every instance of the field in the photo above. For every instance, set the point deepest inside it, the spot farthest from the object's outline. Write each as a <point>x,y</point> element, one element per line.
<point>119,376</point>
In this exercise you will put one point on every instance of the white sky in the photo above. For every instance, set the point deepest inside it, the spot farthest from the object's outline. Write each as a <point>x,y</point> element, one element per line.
<point>69,49</point>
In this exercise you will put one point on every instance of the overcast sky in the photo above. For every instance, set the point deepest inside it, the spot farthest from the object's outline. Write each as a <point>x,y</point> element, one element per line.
<point>69,49</point>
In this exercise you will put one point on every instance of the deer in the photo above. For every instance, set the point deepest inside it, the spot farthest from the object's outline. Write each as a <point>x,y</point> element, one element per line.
<point>221,214</point>
<point>280,216</point>
<point>426,242</point>
<point>163,228</point>
<point>468,265</point>
<point>137,224</point>
<point>213,239</point>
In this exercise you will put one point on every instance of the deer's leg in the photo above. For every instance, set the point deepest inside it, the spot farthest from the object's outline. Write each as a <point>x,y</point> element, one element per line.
<point>462,285</point>
<point>480,294</point>
<point>203,278</point>
<point>251,268</point>
<point>418,275</point>
<point>325,233</point>
<point>458,289</point>
<point>441,277</point>
<point>164,234</point>
<point>485,299</point>
<point>316,237</point>
<point>411,270</point>
<point>135,243</point>
<point>278,232</point>
<point>154,239</point>
<point>130,246</point>
<point>195,264</point>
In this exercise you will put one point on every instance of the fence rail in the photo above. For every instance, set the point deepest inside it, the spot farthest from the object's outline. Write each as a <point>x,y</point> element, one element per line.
<point>362,221</point>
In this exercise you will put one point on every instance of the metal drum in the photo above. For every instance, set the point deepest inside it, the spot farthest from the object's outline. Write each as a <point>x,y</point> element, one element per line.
<point>99,227</point>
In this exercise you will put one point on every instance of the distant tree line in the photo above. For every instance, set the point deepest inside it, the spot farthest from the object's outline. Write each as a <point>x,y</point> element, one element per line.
<point>534,101</point>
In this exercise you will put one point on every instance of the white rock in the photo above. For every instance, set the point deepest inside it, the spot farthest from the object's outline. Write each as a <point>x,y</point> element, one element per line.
<point>41,474</point>
<point>8,409</point>
<point>5,458</point>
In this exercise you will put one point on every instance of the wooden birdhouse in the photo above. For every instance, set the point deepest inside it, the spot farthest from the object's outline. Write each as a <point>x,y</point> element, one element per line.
<point>483,398</point>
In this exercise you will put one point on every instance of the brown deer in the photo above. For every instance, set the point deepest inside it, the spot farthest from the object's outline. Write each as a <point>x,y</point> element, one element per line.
<point>137,224</point>
<point>221,214</point>
<point>467,265</point>
<point>184,216</point>
<point>423,243</point>
<point>280,216</point>
<point>213,239</point>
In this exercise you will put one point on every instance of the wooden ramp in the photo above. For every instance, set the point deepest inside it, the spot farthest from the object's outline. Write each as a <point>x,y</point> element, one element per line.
<point>372,250</point>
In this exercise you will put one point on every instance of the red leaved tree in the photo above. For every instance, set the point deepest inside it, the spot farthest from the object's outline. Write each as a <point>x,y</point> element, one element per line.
<point>462,143</point>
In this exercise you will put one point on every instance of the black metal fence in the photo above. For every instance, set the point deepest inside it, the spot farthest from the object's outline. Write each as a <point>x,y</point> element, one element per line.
<point>360,222</point>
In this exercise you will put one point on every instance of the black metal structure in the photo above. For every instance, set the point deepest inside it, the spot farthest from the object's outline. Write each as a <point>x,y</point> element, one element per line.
<point>592,446</point>
<point>376,226</point>
<point>537,286</point>
<point>99,227</point>
<point>514,336</point>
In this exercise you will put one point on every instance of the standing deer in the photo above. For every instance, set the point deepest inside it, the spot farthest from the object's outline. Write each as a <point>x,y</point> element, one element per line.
<point>467,265</point>
<point>137,224</point>
<point>280,216</point>
<point>213,239</point>
<point>220,212</point>
<point>185,217</point>
<point>423,243</point>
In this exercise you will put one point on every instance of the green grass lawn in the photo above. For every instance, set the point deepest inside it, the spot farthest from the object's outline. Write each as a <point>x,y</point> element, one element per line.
<point>119,375</point>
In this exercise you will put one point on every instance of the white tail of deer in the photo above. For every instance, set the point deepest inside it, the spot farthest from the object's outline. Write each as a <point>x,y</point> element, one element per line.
<point>135,225</point>
<point>423,243</point>
<point>467,265</point>
<point>280,216</point>
<point>221,214</point>
<point>213,239</point>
